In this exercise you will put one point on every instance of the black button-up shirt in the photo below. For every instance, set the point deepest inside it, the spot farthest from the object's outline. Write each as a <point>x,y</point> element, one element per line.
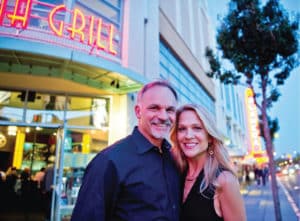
<point>130,180</point>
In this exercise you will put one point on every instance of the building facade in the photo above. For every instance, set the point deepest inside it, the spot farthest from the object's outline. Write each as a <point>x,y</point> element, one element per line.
<point>69,74</point>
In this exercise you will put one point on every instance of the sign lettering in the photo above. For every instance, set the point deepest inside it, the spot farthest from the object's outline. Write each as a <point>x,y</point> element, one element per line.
<point>86,29</point>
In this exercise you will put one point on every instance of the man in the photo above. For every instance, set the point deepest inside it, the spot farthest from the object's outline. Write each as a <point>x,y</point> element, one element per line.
<point>136,179</point>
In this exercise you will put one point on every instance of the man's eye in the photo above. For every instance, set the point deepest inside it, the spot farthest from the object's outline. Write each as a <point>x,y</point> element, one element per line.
<point>153,108</point>
<point>171,111</point>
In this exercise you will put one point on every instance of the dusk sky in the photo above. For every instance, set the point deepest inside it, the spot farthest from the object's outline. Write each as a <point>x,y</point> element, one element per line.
<point>287,109</point>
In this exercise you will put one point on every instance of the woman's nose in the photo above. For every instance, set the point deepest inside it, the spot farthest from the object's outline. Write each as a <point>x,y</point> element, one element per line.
<point>189,133</point>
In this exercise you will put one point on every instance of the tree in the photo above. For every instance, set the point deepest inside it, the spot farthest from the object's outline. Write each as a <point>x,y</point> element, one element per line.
<point>261,44</point>
<point>273,125</point>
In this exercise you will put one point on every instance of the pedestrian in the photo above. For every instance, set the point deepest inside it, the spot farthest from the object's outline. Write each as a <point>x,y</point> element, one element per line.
<point>211,188</point>
<point>265,174</point>
<point>258,175</point>
<point>136,177</point>
<point>247,174</point>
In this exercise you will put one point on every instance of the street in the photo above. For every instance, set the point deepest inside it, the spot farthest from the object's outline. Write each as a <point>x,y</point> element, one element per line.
<point>259,200</point>
<point>291,183</point>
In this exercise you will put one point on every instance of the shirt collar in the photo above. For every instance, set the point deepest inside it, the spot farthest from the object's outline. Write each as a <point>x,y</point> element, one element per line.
<point>144,145</point>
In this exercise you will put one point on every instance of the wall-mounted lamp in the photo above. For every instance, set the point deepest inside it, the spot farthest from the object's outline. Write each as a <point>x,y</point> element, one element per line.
<point>115,83</point>
<point>112,83</point>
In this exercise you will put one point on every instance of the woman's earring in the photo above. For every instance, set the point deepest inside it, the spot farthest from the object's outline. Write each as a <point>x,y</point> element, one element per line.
<point>210,150</point>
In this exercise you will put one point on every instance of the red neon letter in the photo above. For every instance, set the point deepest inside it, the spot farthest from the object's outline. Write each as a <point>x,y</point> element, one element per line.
<point>111,42</point>
<point>2,6</point>
<point>59,30</point>
<point>78,30</point>
<point>21,13</point>
<point>91,31</point>
<point>99,29</point>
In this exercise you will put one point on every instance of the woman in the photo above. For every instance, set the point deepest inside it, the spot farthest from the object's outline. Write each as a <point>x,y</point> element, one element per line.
<point>211,188</point>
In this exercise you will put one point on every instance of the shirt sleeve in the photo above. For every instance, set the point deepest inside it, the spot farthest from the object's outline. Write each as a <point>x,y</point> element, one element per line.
<point>98,192</point>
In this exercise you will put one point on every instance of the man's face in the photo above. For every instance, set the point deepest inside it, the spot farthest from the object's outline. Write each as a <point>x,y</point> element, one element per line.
<point>156,113</point>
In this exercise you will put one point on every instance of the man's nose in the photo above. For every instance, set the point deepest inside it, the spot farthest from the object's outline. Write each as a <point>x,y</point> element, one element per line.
<point>163,114</point>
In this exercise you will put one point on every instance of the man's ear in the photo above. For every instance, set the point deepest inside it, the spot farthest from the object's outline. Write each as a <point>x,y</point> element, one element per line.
<point>137,110</point>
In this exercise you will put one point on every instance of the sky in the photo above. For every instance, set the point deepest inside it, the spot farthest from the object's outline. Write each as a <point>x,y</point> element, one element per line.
<point>287,108</point>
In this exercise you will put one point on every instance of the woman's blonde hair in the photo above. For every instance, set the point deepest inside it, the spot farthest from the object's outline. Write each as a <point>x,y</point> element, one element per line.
<point>218,157</point>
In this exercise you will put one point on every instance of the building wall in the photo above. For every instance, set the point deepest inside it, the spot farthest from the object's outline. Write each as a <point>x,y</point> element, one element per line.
<point>177,29</point>
<point>231,118</point>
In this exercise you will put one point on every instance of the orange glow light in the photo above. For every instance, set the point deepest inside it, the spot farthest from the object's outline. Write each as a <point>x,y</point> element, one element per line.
<point>77,16</point>
<point>253,123</point>
<point>99,30</point>
<point>58,31</point>
<point>111,44</point>
<point>21,13</point>
<point>2,12</point>
<point>91,30</point>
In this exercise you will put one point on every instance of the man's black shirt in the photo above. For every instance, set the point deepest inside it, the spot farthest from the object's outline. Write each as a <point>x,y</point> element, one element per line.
<point>130,180</point>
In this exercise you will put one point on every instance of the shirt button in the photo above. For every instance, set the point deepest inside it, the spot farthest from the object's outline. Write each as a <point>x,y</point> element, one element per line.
<point>174,207</point>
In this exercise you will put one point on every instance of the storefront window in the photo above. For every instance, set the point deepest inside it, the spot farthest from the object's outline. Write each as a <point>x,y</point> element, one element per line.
<point>79,148</point>
<point>110,10</point>
<point>84,111</point>
<point>11,105</point>
<point>45,108</point>
<point>45,130</point>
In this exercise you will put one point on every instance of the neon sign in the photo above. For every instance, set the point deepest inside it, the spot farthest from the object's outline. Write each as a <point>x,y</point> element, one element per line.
<point>253,124</point>
<point>93,33</point>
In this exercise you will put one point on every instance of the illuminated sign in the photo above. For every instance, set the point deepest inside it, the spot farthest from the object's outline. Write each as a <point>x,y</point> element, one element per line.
<point>77,28</point>
<point>253,124</point>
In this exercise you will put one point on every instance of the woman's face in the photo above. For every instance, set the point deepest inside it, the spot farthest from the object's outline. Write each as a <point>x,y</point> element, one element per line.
<point>191,135</point>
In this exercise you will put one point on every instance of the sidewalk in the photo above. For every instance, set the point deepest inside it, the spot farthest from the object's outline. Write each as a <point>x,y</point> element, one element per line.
<point>259,203</point>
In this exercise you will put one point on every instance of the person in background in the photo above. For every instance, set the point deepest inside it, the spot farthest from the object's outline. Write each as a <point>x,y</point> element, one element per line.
<point>2,190</point>
<point>2,176</point>
<point>211,188</point>
<point>247,174</point>
<point>26,192</point>
<point>39,177</point>
<point>136,177</point>
<point>11,181</point>
<point>47,189</point>
<point>258,175</point>
<point>264,175</point>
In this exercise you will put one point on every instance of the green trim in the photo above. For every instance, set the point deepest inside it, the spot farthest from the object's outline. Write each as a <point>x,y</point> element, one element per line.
<point>95,77</point>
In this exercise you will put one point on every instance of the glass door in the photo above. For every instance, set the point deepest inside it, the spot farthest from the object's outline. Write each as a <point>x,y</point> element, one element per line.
<point>77,147</point>
<point>26,153</point>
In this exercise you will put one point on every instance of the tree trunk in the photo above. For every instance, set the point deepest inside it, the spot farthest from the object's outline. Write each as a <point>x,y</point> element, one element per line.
<point>269,147</point>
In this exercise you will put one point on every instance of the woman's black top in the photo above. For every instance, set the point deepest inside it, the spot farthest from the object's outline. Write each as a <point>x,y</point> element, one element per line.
<point>199,206</point>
